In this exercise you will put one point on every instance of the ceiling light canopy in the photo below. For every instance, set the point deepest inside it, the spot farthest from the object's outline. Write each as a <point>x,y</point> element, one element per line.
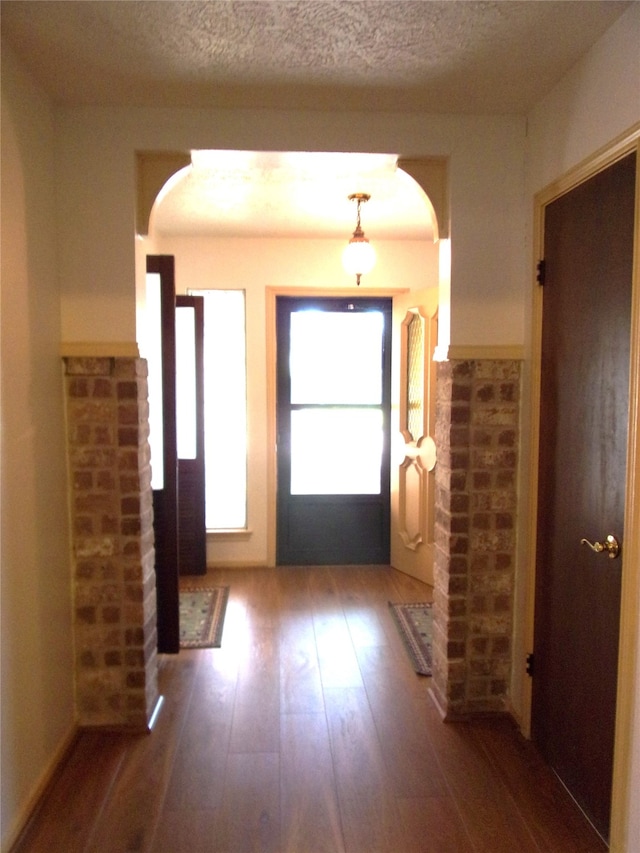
<point>359,256</point>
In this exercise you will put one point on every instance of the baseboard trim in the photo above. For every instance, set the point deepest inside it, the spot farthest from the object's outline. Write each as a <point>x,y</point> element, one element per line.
<point>29,811</point>
<point>470,716</point>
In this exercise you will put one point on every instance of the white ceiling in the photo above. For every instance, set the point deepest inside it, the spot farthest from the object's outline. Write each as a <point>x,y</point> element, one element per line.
<point>456,56</point>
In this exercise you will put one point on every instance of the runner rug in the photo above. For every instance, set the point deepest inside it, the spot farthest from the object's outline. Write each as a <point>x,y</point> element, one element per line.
<point>202,617</point>
<point>414,624</point>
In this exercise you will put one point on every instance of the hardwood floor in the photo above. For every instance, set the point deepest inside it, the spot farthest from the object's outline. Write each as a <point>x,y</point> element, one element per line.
<point>307,732</point>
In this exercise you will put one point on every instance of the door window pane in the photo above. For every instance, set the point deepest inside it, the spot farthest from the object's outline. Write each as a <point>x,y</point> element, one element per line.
<point>154,361</point>
<point>336,451</point>
<point>186,382</point>
<point>336,357</point>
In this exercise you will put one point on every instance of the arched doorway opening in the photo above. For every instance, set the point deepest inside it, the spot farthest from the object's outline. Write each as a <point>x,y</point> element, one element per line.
<point>299,250</point>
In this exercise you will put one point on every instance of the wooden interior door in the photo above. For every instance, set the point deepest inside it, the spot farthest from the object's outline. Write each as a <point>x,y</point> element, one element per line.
<point>413,450</point>
<point>161,276</point>
<point>333,523</point>
<point>588,254</point>
<point>192,533</point>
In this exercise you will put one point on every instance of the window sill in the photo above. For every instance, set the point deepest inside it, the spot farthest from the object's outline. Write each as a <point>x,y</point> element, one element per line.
<point>232,534</point>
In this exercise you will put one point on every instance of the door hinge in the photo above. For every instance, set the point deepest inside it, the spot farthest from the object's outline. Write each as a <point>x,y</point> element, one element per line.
<point>529,668</point>
<point>541,272</point>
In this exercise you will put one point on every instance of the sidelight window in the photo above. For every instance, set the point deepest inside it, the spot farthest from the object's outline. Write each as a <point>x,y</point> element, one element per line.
<point>225,415</point>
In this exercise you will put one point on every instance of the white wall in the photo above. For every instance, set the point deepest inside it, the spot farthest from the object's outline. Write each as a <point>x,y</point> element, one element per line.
<point>595,103</point>
<point>253,265</point>
<point>37,711</point>
<point>97,197</point>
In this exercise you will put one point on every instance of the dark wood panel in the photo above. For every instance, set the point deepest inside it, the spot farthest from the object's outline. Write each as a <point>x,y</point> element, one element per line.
<point>165,500</point>
<point>340,529</point>
<point>192,532</point>
<point>589,241</point>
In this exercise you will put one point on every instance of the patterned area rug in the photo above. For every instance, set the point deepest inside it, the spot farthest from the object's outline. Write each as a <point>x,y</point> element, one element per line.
<point>414,624</point>
<point>202,617</point>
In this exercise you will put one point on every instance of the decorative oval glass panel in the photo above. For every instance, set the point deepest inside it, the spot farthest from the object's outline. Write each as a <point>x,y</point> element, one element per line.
<point>415,377</point>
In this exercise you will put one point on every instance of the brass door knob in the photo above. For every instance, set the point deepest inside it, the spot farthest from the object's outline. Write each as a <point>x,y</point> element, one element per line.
<point>610,546</point>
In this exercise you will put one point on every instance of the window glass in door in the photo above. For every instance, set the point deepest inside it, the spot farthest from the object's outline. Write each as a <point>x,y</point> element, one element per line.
<point>336,399</point>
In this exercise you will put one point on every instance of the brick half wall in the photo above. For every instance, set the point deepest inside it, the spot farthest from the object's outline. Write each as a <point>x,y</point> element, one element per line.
<point>112,539</point>
<point>477,436</point>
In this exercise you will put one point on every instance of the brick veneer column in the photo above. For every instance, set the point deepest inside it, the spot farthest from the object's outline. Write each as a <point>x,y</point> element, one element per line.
<point>477,417</point>
<point>112,535</point>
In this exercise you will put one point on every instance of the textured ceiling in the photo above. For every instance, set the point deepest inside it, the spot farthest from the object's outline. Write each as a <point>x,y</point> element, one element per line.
<point>454,57</point>
<point>417,55</point>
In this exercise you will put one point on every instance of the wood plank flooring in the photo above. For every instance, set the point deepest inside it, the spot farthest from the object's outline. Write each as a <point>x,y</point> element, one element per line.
<point>307,732</point>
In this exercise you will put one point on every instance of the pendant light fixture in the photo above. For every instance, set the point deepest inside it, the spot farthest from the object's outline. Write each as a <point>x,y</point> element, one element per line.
<point>359,255</point>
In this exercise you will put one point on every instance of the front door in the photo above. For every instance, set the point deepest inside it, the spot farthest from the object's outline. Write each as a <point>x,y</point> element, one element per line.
<point>588,251</point>
<point>192,533</point>
<point>333,402</point>
<point>161,301</point>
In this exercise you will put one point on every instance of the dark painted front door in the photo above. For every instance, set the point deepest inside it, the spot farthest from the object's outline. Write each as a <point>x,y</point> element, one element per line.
<point>161,279</point>
<point>334,387</point>
<point>588,250</point>
<point>192,533</point>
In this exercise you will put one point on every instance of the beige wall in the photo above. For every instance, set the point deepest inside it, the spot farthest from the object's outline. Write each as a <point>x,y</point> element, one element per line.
<point>37,656</point>
<point>97,201</point>
<point>598,100</point>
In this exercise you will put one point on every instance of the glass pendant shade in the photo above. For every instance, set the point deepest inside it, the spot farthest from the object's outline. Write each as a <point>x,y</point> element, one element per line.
<point>359,256</point>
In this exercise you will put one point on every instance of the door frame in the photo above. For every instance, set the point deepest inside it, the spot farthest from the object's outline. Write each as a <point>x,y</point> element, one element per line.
<point>630,597</point>
<point>271,295</point>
